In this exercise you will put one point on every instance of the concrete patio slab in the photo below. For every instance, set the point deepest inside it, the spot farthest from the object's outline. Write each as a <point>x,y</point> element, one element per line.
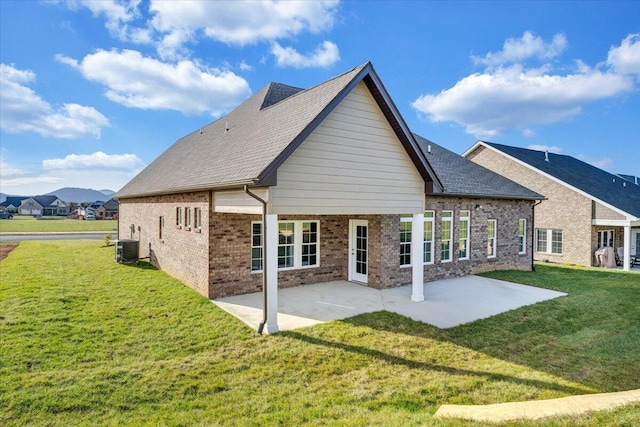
<point>448,303</point>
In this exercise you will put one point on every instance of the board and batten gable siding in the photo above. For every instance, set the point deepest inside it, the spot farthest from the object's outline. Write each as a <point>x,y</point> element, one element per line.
<point>352,163</point>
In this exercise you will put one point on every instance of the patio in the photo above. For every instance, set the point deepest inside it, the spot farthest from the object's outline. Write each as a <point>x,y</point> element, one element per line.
<point>448,303</point>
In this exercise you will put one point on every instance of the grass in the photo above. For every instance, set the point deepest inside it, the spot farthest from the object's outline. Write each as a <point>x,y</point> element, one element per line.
<point>87,341</point>
<point>29,224</point>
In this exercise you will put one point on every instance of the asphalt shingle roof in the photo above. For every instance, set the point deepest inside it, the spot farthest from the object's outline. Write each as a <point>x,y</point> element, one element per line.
<point>462,177</point>
<point>238,147</point>
<point>596,182</point>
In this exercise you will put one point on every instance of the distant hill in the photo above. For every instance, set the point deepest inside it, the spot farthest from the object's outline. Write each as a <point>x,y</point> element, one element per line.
<point>79,195</point>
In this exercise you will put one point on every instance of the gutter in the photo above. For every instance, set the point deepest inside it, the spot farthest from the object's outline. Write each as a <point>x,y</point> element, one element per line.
<point>264,257</point>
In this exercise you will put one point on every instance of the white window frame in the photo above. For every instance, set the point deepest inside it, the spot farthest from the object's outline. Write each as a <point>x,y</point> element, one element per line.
<point>492,239</point>
<point>406,225</point>
<point>446,219</point>
<point>256,233</point>
<point>549,234</point>
<point>179,216</point>
<point>298,242</point>
<point>429,228</point>
<point>197,218</point>
<point>187,218</point>
<point>465,216</point>
<point>613,238</point>
<point>522,236</point>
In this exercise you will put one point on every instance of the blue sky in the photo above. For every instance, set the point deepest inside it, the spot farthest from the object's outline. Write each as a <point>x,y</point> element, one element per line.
<point>93,91</point>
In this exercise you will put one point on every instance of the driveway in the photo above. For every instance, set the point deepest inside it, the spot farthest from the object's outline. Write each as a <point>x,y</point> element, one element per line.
<point>448,303</point>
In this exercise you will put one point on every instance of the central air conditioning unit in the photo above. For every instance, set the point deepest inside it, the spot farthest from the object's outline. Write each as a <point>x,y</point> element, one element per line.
<point>127,251</point>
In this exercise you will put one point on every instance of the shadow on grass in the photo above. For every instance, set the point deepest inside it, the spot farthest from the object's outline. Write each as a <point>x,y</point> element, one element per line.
<point>414,364</point>
<point>142,265</point>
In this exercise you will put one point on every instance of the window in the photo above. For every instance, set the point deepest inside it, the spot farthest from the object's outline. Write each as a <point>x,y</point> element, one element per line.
<point>492,226</point>
<point>522,236</point>
<point>428,237</point>
<point>187,217</point>
<point>549,241</point>
<point>198,217</point>
<point>405,241</point>
<point>298,244</point>
<point>463,235</point>
<point>256,246</point>
<point>445,236</point>
<point>285,244</point>
<point>160,227</point>
<point>309,243</point>
<point>606,238</point>
<point>178,216</point>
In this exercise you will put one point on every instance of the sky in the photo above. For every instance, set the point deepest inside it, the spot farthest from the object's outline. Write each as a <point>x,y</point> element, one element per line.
<point>93,91</point>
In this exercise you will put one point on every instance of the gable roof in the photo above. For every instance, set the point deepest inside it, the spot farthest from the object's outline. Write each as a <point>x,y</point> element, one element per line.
<point>462,177</point>
<point>43,201</point>
<point>596,183</point>
<point>13,201</point>
<point>247,146</point>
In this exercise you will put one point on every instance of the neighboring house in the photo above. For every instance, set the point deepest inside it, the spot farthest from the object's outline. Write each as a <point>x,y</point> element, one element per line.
<point>44,206</point>
<point>12,204</point>
<point>107,210</point>
<point>587,208</point>
<point>305,186</point>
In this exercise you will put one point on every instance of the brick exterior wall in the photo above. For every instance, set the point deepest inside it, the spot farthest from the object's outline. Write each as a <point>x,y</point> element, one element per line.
<point>218,263</point>
<point>565,209</point>
<point>181,252</point>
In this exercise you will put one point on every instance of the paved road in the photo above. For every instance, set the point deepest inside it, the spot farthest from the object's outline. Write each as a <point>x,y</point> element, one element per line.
<point>54,236</point>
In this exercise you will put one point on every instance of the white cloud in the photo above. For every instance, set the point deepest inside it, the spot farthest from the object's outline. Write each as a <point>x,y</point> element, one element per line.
<point>6,170</point>
<point>513,97</point>
<point>97,160</point>
<point>325,55</point>
<point>528,133</point>
<point>24,111</point>
<point>242,23</point>
<point>95,170</point>
<point>245,67</point>
<point>528,46</point>
<point>625,58</point>
<point>146,83</point>
<point>549,148</point>
<point>604,163</point>
<point>118,15</point>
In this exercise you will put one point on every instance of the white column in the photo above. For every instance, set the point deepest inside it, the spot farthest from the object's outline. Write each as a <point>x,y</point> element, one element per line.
<point>626,263</point>
<point>272,273</point>
<point>417,249</point>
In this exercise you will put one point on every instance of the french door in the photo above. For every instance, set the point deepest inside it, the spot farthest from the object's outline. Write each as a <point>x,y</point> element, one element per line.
<point>358,250</point>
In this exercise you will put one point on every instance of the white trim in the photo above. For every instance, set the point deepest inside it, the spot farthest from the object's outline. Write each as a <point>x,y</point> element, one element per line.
<point>353,275</point>
<point>407,220</point>
<point>524,237</point>
<point>430,220</point>
<point>494,246</point>
<point>551,177</point>
<point>417,245</point>
<point>448,219</point>
<point>272,273</point>
<point>297,245</point>
<point>615,222</point>
<point>468,238</point>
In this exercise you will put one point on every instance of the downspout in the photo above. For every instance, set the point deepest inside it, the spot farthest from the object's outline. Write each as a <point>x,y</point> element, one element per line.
<point>264,258</point>
<point>533,231</point>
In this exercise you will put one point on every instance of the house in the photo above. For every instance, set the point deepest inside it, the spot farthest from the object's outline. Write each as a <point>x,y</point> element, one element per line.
<point>43,206</point>
<point>587,208</point>
<point>12,204</point>
<point>299,186</point>
<point>107,210</point>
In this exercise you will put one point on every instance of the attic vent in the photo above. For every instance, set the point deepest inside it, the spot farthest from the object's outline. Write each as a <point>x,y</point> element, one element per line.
<point>226,127</point>
<point>429,148</point>
<point>546,155</point>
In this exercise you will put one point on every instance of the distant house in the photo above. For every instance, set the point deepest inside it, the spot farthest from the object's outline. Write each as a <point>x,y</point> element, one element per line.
<point>107,210</point>
<point>12,204</point>
<point>43,206</point>
<point>587,208</point>
<point>306,186</point>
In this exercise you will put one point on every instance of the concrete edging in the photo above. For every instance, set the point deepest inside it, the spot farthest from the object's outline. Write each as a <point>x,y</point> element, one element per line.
<point>537,409</point>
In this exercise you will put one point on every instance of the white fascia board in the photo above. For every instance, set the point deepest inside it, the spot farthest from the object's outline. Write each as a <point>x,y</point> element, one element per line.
<point>551,177</point>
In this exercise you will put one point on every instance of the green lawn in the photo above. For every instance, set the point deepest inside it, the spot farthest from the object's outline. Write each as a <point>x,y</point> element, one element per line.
<point>86,341</point>
<point>29,224</point>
